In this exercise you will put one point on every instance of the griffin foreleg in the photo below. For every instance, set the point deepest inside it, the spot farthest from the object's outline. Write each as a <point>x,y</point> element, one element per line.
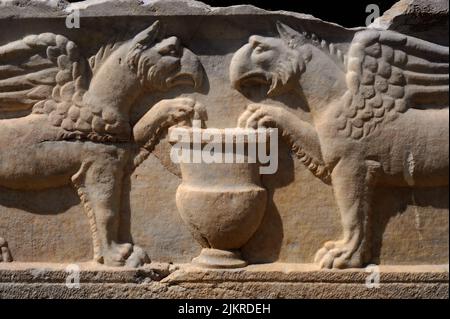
<point>299,134</point>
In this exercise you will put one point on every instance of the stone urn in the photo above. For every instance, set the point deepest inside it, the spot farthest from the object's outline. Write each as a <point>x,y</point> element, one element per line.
<point>222,203</point>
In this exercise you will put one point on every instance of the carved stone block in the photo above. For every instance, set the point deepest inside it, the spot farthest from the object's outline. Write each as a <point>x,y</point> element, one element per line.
<point>356,121</point>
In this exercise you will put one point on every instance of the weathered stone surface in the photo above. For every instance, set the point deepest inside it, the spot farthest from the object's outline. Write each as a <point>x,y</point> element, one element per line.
<point>363,149</point>
<point>257,281</point>
<point>421,18</point>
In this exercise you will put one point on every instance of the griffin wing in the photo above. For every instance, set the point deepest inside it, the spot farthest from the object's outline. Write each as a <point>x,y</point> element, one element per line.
<point>388,73</point>
<point>41,74</point>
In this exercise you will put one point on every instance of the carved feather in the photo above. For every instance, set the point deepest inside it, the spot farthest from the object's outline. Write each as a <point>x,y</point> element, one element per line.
<point>388,73</point>
<point>36,68</point>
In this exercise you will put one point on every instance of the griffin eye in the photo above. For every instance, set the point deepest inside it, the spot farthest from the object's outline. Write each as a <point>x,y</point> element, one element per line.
<point>260,48</point>
<point>170,50</point>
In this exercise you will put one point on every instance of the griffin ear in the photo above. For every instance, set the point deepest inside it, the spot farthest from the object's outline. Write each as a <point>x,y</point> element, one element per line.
<point>141,42</point>
<point>289,35</point>
<point>147,36</point>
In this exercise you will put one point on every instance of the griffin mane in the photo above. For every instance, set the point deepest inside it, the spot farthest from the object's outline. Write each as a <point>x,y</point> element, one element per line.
<point>286,71</point>
<point>133,58</point>
<point>105,51</point>
<point>294,39</point>
<point>328,48</point>
<point>290,69</point>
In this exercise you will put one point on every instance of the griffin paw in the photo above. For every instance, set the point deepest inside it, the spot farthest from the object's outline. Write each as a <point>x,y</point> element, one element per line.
<point>338,254</point>
<point>117,254</point>
<point>137,258</point>
<point>259,115</point>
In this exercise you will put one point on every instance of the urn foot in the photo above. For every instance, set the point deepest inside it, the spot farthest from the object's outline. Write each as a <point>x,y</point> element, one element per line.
<point>217,258</point>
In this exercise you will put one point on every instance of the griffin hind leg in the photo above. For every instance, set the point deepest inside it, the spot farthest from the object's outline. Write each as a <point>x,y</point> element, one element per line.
<point>353,186</point>
<point>99,185</point>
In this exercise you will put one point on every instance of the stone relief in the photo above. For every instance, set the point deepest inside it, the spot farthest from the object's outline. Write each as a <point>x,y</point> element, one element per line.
<point>78,128</point>
<point>380,117</point>
<point>88,120</point>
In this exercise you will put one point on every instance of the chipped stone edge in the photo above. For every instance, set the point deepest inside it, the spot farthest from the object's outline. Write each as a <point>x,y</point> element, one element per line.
<point>90,272</point>
<point>403,10</point>
<point>16,9</point>
<point>167,281</point>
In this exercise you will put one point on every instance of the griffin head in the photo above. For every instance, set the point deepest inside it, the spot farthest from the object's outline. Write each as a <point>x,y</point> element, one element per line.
<point>163,63</point>
<point>277,62</point>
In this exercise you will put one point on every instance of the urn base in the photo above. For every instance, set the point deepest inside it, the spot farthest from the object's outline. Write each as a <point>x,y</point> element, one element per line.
<point>219,259</point>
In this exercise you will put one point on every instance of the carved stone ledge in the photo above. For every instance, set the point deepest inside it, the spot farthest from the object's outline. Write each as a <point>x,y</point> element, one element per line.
<point>91,273</point>
<point>276,280</point>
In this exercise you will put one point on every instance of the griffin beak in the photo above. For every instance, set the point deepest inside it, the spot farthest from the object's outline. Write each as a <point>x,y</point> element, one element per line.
<point>251,78</point>
<point>191,72</point>
<point>243,73</point>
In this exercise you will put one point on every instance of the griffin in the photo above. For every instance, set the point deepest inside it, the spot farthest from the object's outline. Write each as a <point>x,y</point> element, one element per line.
<point>379,113</point>
<point>66,120</point>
